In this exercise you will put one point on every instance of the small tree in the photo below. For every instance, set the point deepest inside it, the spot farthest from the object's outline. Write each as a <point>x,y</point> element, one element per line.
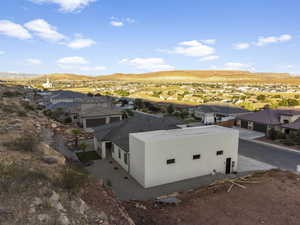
<point>83,146</point>
<point>272,134</point>
<point>76,133</point>
<point>170,109</point>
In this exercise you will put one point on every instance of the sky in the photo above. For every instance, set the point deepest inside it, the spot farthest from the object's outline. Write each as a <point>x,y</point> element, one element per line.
<point>99,37</point>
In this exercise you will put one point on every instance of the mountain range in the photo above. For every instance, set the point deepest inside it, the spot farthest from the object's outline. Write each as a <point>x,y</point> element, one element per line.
<point>169,76</point>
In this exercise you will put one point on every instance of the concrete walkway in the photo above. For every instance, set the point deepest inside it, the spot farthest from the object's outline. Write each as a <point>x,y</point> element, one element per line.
<point>126,188</point>
<point>249,134</point>
<point>248,164</point>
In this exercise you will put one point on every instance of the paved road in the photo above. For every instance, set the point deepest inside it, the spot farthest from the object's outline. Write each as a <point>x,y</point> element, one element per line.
<point>280,158</point>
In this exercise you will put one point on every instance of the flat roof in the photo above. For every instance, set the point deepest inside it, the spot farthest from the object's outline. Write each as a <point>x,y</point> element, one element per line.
<point>181,132</point>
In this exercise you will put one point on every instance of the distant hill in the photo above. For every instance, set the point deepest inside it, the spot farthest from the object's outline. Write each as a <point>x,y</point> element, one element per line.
<point>176,76</point>
<point>7,76</point>
<point>64,76</point>
<point>197,75</point>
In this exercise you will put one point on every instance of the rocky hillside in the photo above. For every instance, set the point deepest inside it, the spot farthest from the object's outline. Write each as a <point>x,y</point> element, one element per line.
<point>37,186</point>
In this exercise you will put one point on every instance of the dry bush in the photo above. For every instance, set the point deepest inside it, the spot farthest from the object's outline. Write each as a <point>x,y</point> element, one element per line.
<point>27,143</point>
<point>72,179</point>
<point>15,178</point>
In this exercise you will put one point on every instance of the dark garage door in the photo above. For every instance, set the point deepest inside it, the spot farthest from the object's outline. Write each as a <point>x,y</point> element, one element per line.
<point>244,124</point>
<point>260,127</point>
<point>114,119</point>
<point>95,122</point>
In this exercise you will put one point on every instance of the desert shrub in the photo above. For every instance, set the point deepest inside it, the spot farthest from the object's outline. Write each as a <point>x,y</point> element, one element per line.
<point>9,108</point>
<point>272,134</point>
<point>72,179</point>
<point>68,120</point>
<point>15,178</point>
<point>170,109</point>
<point>22,113</point>
<point>27,143</point>
<point>27,106</point>
<point>10,94</point>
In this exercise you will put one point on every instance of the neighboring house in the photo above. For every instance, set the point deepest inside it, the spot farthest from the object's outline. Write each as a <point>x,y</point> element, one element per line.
<point>85,111</point>
<point>291,127</point>
<point>65,96</point>
<point>154,151</point>
<point>212,114</point>
<point>267,119</point>
<point>94,115</point>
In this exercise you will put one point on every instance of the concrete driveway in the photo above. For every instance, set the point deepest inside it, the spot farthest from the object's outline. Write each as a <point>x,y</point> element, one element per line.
<point>249,134</point>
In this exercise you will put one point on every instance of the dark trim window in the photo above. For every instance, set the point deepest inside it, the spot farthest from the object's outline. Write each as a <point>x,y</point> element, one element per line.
<point>170,161</point>
<point>220,152</point>
<point>119,154</point>
<point>125,158</point>
<point>197,156</point>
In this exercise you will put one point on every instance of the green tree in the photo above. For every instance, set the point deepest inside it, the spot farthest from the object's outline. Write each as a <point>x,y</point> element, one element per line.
<point>170,109</point>
<point>261,97</point>
<point>76,133</point>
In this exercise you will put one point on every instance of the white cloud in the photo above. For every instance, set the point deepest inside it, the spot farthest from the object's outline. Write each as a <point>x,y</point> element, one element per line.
<point>11,29</point>
<point>209,58</point>
<point>209,41</point>
<point>44,30</point>
<point>92,68</point>
<point>129,20</point>
<point>149,64</point>
<point>117,23</point>
<point>241,46</point>
<point>273,39</point>
<point>33,62</point>
<point>68,5</point>
<point>238,66</point>
<point>2,52</point>
<point>120,22</point>
<point>193,48</point>
<point>81,43</point>
<point>73,60</point>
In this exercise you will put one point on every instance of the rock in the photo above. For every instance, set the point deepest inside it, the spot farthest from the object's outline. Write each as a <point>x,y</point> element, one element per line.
<point>53,125</point>
<point>54,197</point>
<point>44,218</point>
<point>102,218</point>
<point>49,160</point>
<point>32,210</point>
<point>54,202</point>
<point>63,219</point>
<point>79,206</point>
<point>37,201</point>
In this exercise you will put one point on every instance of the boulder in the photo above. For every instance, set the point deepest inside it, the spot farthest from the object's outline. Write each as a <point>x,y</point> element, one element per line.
<point>49,160</point>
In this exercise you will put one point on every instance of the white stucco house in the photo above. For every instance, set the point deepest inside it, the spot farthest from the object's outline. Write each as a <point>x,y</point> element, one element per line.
<point>154,151</point>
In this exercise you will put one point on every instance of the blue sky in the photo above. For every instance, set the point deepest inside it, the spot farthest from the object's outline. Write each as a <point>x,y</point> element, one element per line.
<point>132,36</point>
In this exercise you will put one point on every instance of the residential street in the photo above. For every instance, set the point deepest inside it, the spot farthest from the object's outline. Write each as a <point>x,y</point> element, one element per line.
<point>280,158</point>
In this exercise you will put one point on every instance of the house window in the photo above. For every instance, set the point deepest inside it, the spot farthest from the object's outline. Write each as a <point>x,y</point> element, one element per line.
<point>125,158</point>
<point>220,152</point>
<point>119,154</point>
<point>197,156</point>
<point>286,121</point>
<point>170,161</point>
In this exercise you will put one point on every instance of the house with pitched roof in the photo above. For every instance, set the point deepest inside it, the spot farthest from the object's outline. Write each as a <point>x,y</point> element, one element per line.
<point>156,151</point>
<point>266,119</point>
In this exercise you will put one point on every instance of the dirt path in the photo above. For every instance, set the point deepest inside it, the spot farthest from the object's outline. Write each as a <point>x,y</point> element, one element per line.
<point>275,200</point>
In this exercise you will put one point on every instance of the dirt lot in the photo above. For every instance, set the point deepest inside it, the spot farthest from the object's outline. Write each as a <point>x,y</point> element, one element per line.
<point>271,198</point>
